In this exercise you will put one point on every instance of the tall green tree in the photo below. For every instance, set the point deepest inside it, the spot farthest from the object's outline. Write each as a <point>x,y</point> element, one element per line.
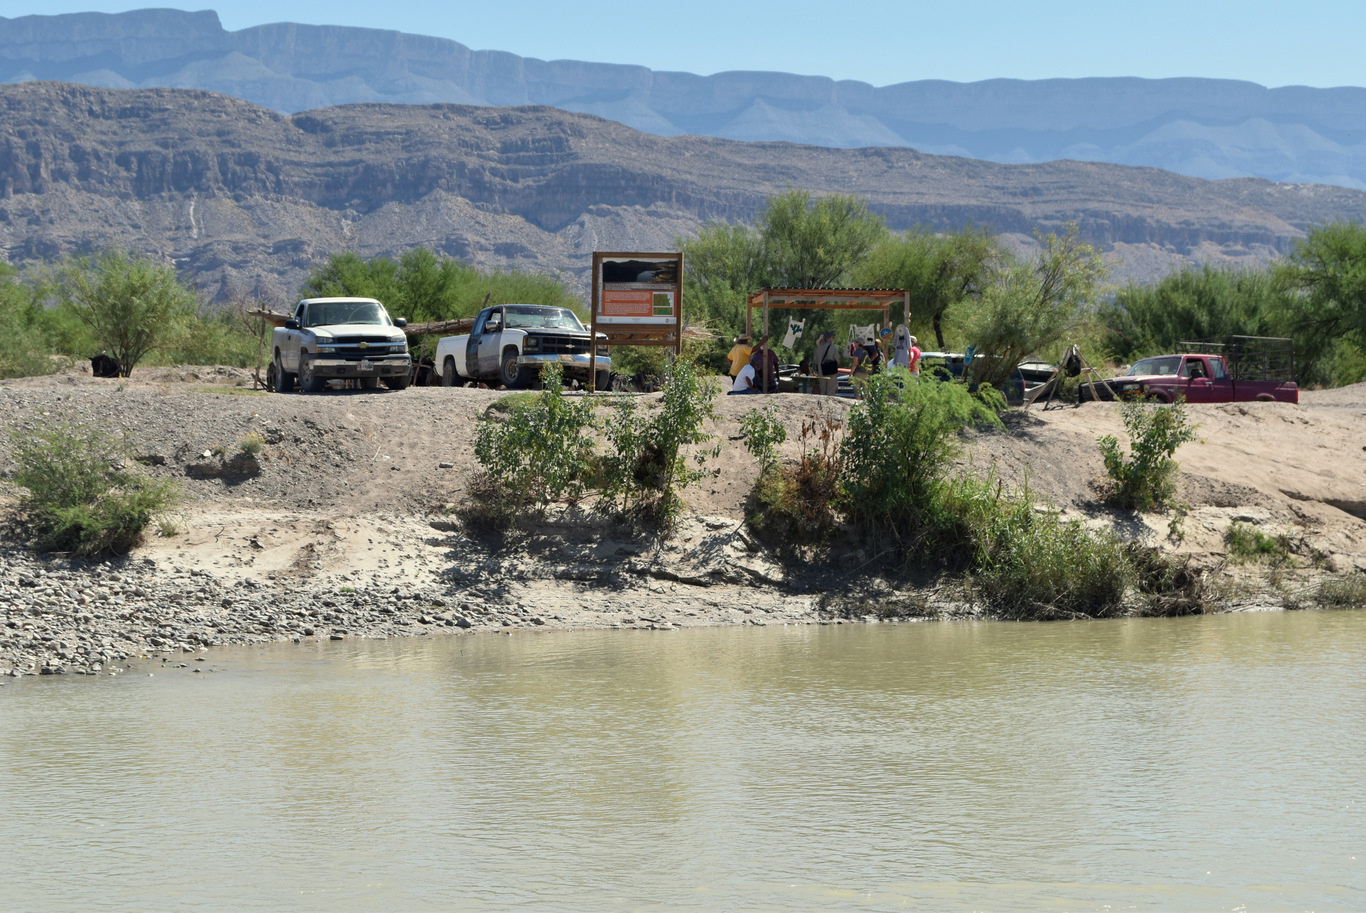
<point>1193,303</point>
<point>130,304</point>
<point>798,241</point>
<point>1031,304</point>
<point>423,286</point>
<point>1327,271</point>
<point>937,270</point>
<point>25,346</point>
<point>815,243</point>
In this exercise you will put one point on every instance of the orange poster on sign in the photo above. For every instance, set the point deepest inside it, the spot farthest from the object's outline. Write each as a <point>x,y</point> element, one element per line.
<point>627,303</point>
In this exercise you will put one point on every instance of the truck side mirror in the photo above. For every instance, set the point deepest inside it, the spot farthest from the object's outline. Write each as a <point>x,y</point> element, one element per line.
<point>291,324</point>
<point>401,322</point>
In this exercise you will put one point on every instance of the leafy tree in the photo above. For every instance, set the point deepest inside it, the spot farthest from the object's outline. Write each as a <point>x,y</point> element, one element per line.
<point>1193,303</point>
<point>1030,305</point>
<point>722,265</point>
<point>1328,315</point>
<point>422,286</point>
<point>808,244</point>
<point>798,242</point>
<point>130,304</point>
<point>938,271</point>
<point>25,343</point>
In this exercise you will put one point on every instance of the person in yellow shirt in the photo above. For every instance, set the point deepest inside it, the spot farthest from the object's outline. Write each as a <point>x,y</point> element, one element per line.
<point>739,355</point>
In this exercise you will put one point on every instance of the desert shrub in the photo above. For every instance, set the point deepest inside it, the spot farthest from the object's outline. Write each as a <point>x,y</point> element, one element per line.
<point>797,504</point>
<point>645,466</point>
<point>902,438</point>
<point>1347,592</point>
<point>1146,478</point>
<point>1165,585</point>
<point>1246,544</point>
<point>763,433</point>
<point>1027,563</point>
<point>252,444</point>
<point>540,452</point>
<point>80,495</point>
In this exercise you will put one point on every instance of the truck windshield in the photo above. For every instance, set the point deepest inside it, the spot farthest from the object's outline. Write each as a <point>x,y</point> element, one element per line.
<point>1166,365</point>
<point>547,317</point>
<point>334,313</point>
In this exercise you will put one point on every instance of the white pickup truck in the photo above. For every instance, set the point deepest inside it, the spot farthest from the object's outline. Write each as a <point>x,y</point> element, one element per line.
<point>509,343</point>
<point>340,338</point>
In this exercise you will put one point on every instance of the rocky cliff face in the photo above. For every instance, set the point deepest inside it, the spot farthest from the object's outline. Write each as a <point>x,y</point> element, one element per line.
<point>1198,127</point>
<point>247,200</point>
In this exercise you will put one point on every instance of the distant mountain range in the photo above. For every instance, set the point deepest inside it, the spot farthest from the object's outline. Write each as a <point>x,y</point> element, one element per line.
<point>246,201</point>
<point>1198,127</point>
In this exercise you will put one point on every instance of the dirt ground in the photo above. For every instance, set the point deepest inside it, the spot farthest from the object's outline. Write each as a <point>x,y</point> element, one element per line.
<point>362,483</point>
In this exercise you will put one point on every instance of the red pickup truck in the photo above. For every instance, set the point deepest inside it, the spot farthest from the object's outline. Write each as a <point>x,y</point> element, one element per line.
<point>1198,377</point>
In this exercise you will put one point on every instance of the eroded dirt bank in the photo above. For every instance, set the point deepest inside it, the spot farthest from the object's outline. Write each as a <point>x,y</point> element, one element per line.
<point>345,529</point>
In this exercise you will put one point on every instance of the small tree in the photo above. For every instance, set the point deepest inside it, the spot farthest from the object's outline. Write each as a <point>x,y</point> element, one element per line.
<point>902,439</point>
<point>1033,305</point>
<point>938,271</point>
<point>645,467</point>
<point>541,452</point>
<point>1146,478</point>
<point>130,304</point>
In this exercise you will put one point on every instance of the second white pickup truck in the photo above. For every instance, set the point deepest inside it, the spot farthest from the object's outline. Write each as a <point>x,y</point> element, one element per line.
<point>510,342</point>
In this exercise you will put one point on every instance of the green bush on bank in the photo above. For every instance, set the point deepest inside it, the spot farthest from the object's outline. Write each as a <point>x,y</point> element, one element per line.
<point>80,495</point>
<point>540,452</point>
<point>1146,478</point>
<point>543,450</point>
<point>646,467</point>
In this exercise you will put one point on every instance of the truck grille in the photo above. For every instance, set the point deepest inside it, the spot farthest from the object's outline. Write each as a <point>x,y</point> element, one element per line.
<point>563,345</point>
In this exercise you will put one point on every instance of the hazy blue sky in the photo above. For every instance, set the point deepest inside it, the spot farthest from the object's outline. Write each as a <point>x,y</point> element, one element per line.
<point>1312,42</point>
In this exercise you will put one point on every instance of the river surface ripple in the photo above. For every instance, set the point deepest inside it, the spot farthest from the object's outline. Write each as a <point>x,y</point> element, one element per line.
<point>1202,764</point>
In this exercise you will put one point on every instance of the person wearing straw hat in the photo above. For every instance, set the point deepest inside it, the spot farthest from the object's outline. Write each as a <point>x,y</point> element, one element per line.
<point>739,354</point>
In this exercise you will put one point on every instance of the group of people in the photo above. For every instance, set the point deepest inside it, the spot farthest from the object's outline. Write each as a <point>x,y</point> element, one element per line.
<point>747,366</point>
<point>747,361</point>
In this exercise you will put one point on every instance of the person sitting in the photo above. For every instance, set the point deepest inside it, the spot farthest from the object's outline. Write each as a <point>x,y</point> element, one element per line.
<point>1195,369</point>
<point>746,381</point>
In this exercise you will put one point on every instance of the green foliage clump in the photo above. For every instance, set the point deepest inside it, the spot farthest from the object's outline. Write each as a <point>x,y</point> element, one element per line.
<point>798,504</point>
<point>763,434</point>
<point>25,343</point>
<point>540,452</point>
<point>1030,306</point>
<point>939,271</point>
<point>79,494</point>
<point>1146,478</point>
<point>130,304</point>
<point>1193,303</point>
<point>902,439</point>
<point>1028,563</point>
<point>1246,544</point>
<point>645,468</point>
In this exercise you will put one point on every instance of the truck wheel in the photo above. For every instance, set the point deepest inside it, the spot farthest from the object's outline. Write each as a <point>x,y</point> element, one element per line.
<point>508,372</point>
<point>399,382</point>
<point>284,381</point>
<point>448,375</point>
<point>308,377</point>
<point>604,381</point>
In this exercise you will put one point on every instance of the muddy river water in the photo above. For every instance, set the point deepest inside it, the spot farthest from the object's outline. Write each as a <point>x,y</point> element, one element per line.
<point>1202,764</point>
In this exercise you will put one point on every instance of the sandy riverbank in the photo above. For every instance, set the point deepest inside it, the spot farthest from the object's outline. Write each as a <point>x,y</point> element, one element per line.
<point>346,529</point>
